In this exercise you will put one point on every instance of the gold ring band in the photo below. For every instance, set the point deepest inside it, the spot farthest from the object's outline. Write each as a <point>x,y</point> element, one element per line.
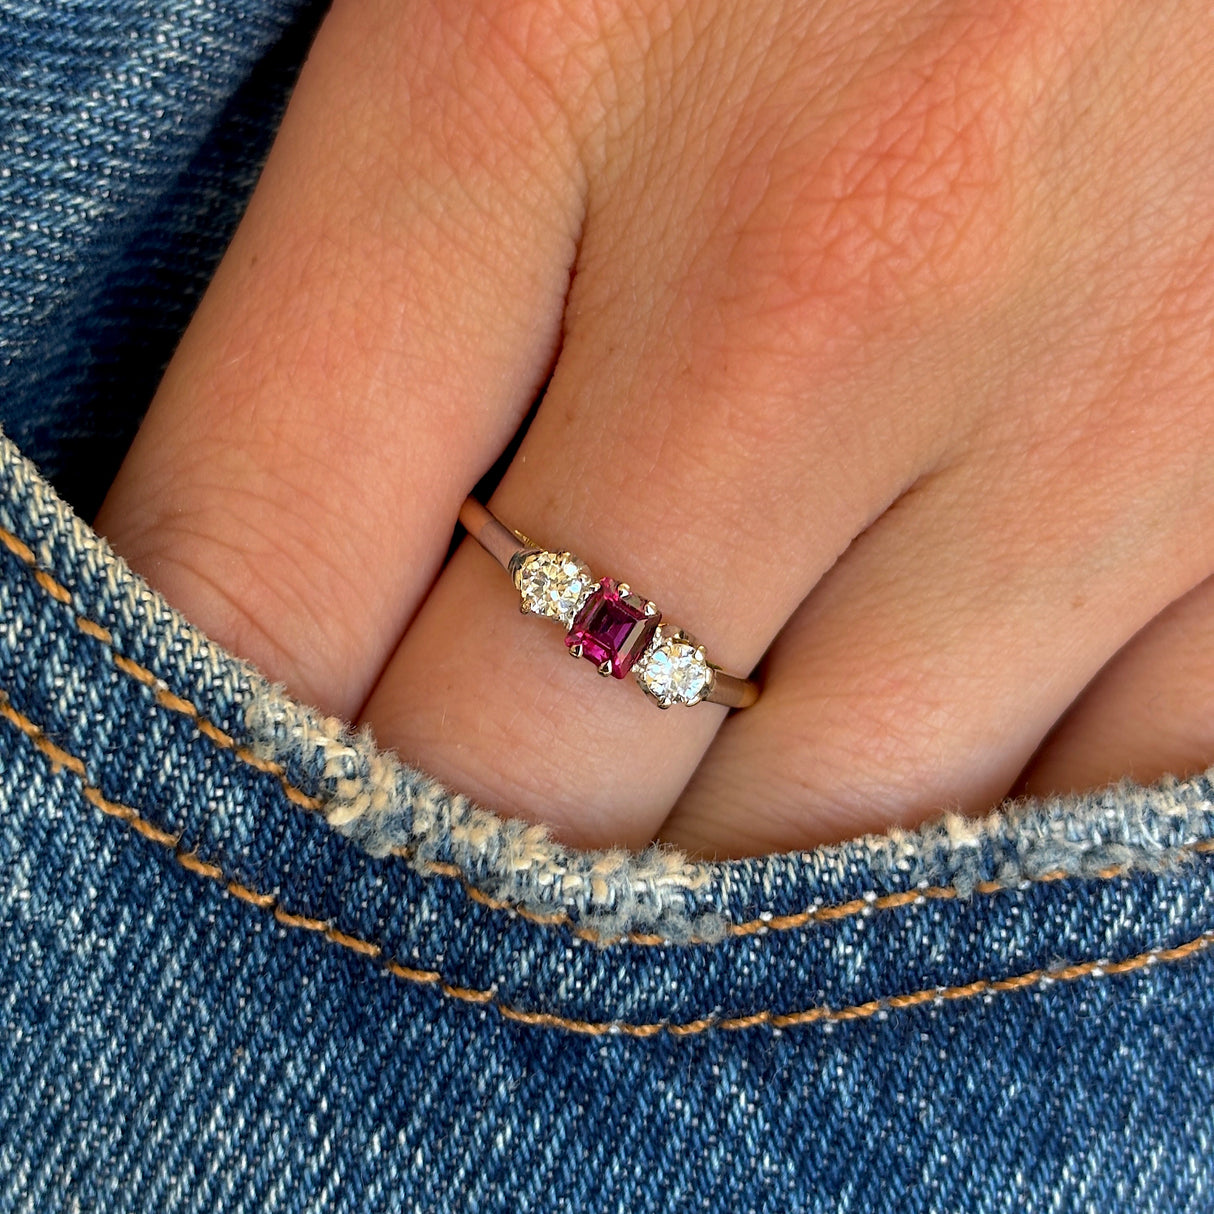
<point>606,622</point>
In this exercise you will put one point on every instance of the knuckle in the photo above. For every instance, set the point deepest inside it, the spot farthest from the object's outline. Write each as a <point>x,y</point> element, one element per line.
<point>556,55</point>
<point>901,193</point>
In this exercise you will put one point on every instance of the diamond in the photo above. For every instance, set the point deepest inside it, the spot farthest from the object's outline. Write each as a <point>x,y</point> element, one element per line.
<point>675,670</point>
<point>553,584</point>
<point>612,628</point>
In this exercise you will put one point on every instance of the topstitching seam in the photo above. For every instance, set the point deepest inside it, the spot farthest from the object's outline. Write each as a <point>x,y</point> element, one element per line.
<point>982,987</point>
<point>866,903</point>
<point>220,737</point>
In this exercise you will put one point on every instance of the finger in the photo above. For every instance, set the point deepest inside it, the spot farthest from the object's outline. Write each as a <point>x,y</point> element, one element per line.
<point>382,321</point>
<point>752,372</point>
<point>926,668</point>
<point>490,701</point>
<point>1149,713</point>
<point>699,500</point>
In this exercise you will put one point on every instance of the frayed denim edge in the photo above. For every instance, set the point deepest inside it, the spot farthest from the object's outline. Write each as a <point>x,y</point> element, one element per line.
<point>387,807</point>
<point>384,806</point>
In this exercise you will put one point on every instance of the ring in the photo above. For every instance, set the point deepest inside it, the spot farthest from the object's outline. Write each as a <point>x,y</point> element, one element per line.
<point>619,631</point>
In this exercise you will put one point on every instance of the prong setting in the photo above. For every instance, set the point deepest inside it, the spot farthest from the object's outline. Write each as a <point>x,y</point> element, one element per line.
<point>674,669</point>
<point>605,622</point>
<point>552,584</point>
<point>612,628</point>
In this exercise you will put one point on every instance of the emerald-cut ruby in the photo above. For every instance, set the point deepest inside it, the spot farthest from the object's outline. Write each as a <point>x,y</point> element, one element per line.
<point>612,628</point>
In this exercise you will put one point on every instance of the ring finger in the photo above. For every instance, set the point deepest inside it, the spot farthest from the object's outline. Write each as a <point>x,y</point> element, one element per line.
<point>670,452</point>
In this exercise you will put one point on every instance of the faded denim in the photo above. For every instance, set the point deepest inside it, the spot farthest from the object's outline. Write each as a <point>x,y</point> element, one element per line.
<point>249,963</point>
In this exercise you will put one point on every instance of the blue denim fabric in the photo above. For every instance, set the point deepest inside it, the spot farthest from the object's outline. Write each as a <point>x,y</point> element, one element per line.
<point>250,963</point>
<point>131,132</point>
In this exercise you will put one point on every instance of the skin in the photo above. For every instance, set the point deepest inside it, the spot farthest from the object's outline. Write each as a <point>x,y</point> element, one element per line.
<point>875,343</point>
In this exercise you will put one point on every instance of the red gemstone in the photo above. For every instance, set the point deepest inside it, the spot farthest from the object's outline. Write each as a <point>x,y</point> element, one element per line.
<point>612,627</point>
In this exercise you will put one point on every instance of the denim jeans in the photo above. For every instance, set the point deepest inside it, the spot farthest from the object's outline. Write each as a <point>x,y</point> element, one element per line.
<point>248,962</point>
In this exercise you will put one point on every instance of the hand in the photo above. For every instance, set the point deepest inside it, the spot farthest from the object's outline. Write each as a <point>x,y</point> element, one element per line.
<point>875,342</point>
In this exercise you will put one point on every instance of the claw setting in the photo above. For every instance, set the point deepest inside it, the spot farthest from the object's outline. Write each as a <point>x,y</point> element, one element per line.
<point>553,584</point>
<point>674,670</point>
<point>612,628</point>
<point>605,622</point>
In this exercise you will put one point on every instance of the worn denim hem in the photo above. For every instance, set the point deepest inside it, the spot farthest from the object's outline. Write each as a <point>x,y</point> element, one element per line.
<point>217,997</point>
<point>389,808</point>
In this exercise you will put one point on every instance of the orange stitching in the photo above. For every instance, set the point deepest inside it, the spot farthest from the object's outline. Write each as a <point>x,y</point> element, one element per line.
<point>57,755</point>
<point>411,975</point>
<point>52,587</point>
<point>17,548</point>
<point>143,675</point>
<point>783,923</point>
<point>353,942</point>
<point>775,1020</point>
<point>763,924</point>
<point>287,919</point>
<point>466,994</point>
<point>263,901</point>
<point>195,865</point>
<point>174,703</point>
<point>94,630</point>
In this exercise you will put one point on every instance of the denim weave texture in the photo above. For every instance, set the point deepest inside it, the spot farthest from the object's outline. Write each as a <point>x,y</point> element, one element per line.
<point>131,132</point>
<point>250,963</point>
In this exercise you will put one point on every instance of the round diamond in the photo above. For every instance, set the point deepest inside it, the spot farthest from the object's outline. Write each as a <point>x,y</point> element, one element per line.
<point>553,584</point>
<point>674,670</point>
